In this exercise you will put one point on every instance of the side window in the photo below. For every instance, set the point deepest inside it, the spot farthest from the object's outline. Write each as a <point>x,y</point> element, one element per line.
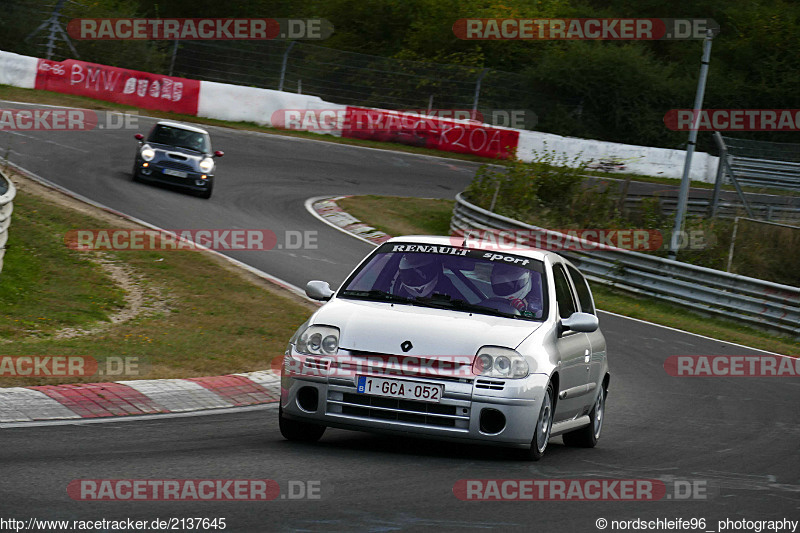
<point>582,288</point>
<point>566,302</point>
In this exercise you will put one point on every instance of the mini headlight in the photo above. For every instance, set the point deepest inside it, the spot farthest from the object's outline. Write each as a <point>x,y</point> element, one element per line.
<point>499,362</point>
<point>317,340</point>
<point>206,164</point>
<point>148,153</point>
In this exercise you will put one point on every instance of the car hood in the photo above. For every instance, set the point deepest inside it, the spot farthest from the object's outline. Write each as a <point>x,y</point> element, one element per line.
<point>381,327</point>
<point>191,154</point>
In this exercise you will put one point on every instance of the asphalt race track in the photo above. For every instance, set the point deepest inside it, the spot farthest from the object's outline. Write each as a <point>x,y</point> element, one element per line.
<point>738,438</point>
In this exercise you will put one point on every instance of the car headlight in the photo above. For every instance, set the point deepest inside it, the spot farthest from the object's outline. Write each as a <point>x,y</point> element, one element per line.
<point>148,153</point>
<point>206,164</point>
<point>498,362</point>
<point>318,340</point>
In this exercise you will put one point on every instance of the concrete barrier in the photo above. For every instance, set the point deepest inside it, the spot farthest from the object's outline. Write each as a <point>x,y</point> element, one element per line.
<point>634,159</point>
<point>7,194</point>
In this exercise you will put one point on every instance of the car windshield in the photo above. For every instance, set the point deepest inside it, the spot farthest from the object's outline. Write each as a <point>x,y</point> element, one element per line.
<point>181,138</point>
<point>450,277</point>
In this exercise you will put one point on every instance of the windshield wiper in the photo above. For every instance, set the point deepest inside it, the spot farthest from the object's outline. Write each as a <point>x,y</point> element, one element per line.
<point>376,295</point>
<point>444,301</point>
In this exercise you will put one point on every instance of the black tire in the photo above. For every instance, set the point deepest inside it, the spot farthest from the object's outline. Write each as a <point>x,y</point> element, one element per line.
<point>588,436</point>
<point>544,423</point>
<point>297,431</point>
<point>134,174</point>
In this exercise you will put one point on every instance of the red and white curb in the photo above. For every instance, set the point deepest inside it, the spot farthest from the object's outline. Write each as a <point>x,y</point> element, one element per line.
<point>327,210</point>
<point>140,397</point>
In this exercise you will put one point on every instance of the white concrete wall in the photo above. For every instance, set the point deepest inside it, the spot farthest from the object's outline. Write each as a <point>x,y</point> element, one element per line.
<point>250,104</point>
<point>646,160</point>
<point>17,70</point>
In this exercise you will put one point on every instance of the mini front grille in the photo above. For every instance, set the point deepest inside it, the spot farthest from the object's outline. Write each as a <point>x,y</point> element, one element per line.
<point>176,165</point>
<point>489,384</point>
<point>179,157</point>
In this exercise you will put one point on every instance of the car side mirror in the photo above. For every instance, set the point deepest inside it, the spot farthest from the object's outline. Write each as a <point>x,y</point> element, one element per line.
<point>139,137</point>
<point>582,322</point>
<point>319,290</point>
<point>219,153</point>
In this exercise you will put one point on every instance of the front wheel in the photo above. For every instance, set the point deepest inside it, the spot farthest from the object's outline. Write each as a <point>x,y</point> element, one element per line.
<point>587,437</point>
<point>295,430</point>
<point>543,426</point>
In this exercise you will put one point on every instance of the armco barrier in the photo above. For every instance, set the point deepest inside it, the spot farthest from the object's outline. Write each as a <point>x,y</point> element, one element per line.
<point>756,302</point>
<point>7,194</point>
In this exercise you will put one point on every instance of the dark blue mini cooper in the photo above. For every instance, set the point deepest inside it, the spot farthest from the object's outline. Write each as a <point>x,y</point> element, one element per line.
<point>177,154</point>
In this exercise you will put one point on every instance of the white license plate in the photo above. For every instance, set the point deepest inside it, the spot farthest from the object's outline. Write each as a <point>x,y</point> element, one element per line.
<point>395,388</point>
<point>176,173</point>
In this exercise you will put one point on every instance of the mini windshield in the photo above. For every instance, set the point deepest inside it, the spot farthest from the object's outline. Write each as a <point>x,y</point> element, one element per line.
<point>462,279</point>
<point>181,138</point>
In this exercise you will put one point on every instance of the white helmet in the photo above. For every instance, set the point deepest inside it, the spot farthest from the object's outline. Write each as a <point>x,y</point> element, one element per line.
<point>419,274</point>
<point>511,282</point>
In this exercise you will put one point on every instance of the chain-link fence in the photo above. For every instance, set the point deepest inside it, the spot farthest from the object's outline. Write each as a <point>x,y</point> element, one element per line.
<point>763,149</point>
<point>372,81</point>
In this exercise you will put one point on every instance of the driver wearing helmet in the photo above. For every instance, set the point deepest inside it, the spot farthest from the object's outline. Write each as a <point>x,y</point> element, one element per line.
<point>421,275</point>
<point>520,286</point>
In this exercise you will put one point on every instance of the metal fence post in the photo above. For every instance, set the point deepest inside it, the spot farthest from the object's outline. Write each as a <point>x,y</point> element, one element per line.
<point>683,196</point>
<point>477,93</point>
<point>723,155</point>
<point>174,54</point>
<point>283,65</point>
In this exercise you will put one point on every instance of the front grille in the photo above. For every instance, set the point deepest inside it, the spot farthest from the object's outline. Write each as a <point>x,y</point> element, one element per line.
<point>489,384</point>
<point>166,163</point>
<point>316,364</point>
<point>424,370</point>
<point>444,415</point>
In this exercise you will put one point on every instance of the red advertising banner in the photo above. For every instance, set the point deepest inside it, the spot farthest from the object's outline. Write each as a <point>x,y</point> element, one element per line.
<point>123,86</point>
<point>465,137</point>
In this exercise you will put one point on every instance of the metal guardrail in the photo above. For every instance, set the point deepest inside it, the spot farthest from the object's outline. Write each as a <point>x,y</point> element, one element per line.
<point>700,207</point>
<point>7,194</point>
<point>757,302</point>
<point>762,164</point>
<point>766,173</point>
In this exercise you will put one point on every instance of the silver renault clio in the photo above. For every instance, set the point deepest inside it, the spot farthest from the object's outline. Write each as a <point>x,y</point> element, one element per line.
<point>432,337</point>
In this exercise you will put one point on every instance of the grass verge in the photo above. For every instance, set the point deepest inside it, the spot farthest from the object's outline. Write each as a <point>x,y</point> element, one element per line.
<point>398,216</point>
<point>181,313</point>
